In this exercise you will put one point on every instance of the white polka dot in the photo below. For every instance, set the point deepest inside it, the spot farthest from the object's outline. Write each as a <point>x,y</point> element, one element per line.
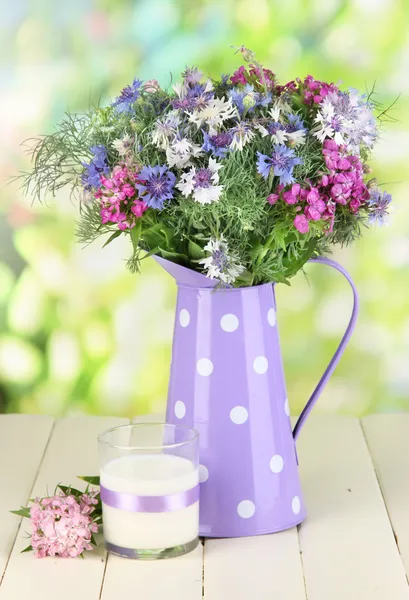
<point>180,409</point>
<point>277,463</point>
<point>204,367</point>
<point>239,415</point>
<point>184,317</point>
<point>287,407</point>
<point>203,473</point>
<point>296,505</point>
<point>246,509</point>
<point>271,317</point>
<point>229,323</point>
<point>260,365</point>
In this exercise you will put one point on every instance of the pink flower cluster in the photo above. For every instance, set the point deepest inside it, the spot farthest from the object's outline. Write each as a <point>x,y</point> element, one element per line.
<point>269,76</point>
<point>315,91</point>
<point>287,88</point>
<point>343,184</point>
<point>242,76</point>
<point>119,201</point>
<point>239,76</point>
<point>315,207</point>
<point>62,525</point>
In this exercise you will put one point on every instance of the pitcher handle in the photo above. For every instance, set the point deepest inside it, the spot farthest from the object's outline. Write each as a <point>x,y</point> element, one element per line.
<point>339,351</point>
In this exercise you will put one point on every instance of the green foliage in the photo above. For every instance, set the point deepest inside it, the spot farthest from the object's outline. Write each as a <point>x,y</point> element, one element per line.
<point>22,512</point>
<point>93,480</point>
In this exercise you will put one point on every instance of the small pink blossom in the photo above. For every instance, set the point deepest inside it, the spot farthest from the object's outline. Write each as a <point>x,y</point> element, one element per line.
<point>301,223</point>
<point>240,76</point>
<point>315,91</point>
<point>269,76</point>
<point>151,86</point>
<point>272,198</point>
<point>289,197</point>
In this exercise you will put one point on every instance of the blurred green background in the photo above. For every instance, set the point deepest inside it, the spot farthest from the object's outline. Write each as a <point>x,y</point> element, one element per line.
<point>81,335</point>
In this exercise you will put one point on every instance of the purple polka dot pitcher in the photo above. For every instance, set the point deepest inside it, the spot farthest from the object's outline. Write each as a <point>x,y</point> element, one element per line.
<point>227,381</point>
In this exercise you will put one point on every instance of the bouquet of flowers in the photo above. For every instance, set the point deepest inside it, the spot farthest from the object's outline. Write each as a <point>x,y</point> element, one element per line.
<point>241,178</point>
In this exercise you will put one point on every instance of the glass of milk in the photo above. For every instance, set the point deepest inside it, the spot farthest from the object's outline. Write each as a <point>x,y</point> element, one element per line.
<point>150,490</point>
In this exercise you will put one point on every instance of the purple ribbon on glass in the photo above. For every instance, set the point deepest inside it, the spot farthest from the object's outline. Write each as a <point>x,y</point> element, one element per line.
<point>153,504</point>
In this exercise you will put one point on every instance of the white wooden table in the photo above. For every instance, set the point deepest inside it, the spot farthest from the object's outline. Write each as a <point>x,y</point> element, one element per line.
<point>354,544</point>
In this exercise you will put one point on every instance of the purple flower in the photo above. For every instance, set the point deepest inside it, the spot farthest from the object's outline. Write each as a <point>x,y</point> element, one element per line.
<point>95,168</point>
<point>378,203</point>
<point>126,99</point>
<point>157,186</point>
<point>197,96</point>
<point>281,162</point>
<point>275,126</point>
<point>217,144</point>
<point>247,99</point>
<point>295,123</point>
<point>192,75</point>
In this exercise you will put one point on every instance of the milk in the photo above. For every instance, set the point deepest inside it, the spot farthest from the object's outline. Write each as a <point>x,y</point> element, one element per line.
<point>150,475</point>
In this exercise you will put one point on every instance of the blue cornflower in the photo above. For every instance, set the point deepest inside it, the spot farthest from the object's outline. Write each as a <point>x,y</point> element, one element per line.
<point>295,123</point>
<point>217,144</point>
<point>246,98</point>
<point>281,162</point>
<point>126,99</point>
<point>378,207</point>
<point>98,165</point>
<point>263,98</point>
<point>157,186</point>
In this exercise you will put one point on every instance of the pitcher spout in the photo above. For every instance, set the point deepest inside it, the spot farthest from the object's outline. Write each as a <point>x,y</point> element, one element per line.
<point>184,276</point>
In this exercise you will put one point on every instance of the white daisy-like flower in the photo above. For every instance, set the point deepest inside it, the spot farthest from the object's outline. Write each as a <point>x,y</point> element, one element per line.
<point>166,130</point>
<point>329,124</point>
<point>123,145</point>
<point>296,138</point>
<point>190,98</point>
<point>242,135</point>
<point>221,264</point>
<point>214,114</point>
<point>202,184</point>
<point>180,153</point>
<point>275,111</point>
<point>348,118</point>
<point>276,128</point>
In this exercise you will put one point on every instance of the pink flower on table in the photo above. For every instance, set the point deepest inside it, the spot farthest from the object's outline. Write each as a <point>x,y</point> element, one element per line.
<point>301,223</point>
<point>62,525</point>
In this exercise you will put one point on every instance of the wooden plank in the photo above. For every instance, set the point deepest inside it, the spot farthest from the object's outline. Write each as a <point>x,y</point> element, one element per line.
<point>388,441</point>
<point>262,567</point>
<point>175,579</point>
<point>23,439</point>
<point>347,543</point>
<point>72,451</point>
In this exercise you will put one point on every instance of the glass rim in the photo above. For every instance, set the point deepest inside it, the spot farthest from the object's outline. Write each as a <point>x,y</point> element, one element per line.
<point>194,437</point>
